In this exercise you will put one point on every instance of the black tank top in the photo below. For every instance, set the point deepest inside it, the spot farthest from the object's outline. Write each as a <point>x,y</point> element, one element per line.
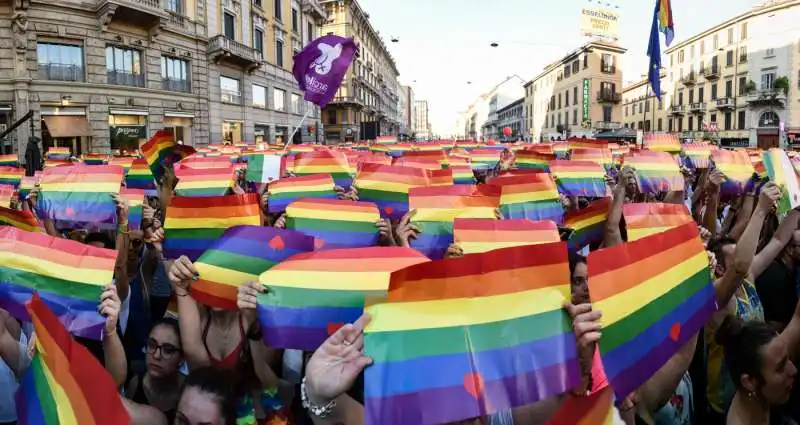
<point>141,397</point>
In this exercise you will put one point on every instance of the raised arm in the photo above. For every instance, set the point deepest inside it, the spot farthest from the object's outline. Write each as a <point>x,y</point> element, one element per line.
<point>715,180</point>
<point>11,351</point>
<point>190,313</point>
<point>121,278</point>
<point>613,235</point>
<point>774,247</point>
<point>113,351</point>
<point>651,396</point>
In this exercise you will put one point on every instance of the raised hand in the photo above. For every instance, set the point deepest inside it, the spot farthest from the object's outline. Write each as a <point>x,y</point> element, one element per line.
<point>110,307</point>
<point>182,273</point>
<point>247,300</point>
<point>406,231</point>
<point>385,232</point>
<point>454,251</point>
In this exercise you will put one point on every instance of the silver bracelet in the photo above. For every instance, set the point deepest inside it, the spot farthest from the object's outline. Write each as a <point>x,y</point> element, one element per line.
<point>319,411</point>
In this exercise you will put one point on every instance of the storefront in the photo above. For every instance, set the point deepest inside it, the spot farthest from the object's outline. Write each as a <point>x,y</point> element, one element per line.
<point>128,129</point>
<point>261,133</point>
<point>179,124</point>
<point>734,138</point>
<point>231,132</point>
<point>66,126</point>
<point>280,135</point>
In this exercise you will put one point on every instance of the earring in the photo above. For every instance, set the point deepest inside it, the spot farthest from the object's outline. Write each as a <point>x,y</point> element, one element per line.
<point>751,394</point>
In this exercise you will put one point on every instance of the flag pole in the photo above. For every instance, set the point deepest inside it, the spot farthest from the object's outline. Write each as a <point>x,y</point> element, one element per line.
<point>297,127</point>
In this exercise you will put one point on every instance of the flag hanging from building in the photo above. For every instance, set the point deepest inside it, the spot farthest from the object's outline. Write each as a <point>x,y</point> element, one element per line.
<point>662,22</point>
<point>320,68</point>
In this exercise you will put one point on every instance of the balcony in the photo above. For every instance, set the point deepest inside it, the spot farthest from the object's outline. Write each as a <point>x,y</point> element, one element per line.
<point>171,84</point>
<point>607,125</point>
<point>608,96</point>
<point>697,107</point>
<point>725,103</point>
<point>276,73</point>
<point>121,78</point>
<point>60,72</point>
<point>315,9</point>
<point>767,98</point>
<point>711,73</point>
<point>689,80</point>
<point>742,58</point>
<point>221,48</point>
<point>147,14</point>
<point>346,100</point>
<point>677,110</point>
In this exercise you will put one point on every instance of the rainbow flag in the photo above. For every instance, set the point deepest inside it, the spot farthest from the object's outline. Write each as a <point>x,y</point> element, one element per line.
<point>68,275</point>
<point>780,171</point>
<point>655,172</point>
<point>123,161</point>
<point>54,163</point>
<point>662,142</point>
<point>421,163</point>
<point>698,155</point>
<point>388,185</point>
<point>263,168</point>
<point>665,22</point>
<point>11,175</point>
<point>203,182</point>
<point>580,178</point>
<point>65,384</point>
<point>484,158</point>
<point>7,193</point>
<point>324,162</point>
<point>80,194</point>
<point>285,191</point>
<point>161,150</point>
<point>462,174</point>
<point>470,336</point>
<point>58,154</point>
<point>594,409</point>
<point>655,294</point>
<point>193,224</point>
<point>26,185</point>
<point>198,162</point>
<point>578,143</point>
<point>438,206</point>
<point>476,235</point>
<point>737,168</point>
<point>532,159</point>
<point>10,160</point>
<point>601,156</point>
<point>531,196</point>
<point>588,224</point>
<point>239,256</point>
<point>136,198</point>
<point>94,159</point>
<point>139,176</point>
<point>335,223</point>
<point>645,219</point>
<point>561,149</point>
<point>312,295</point>
<point>21,219</point>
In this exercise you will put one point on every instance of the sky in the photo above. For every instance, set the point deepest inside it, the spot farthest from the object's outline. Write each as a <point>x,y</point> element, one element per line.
<point>444,44</point>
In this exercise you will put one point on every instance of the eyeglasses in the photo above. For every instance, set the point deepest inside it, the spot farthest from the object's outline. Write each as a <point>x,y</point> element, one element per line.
<point>167,350</point>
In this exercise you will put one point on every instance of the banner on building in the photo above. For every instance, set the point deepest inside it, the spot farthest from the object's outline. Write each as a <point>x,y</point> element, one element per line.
<point>597,21</point>
<point>586,121</point>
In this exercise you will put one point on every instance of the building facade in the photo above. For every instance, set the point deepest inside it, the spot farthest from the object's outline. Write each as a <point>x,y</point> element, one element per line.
<point>641,109</point>
<point>421,124</point>
<point>579,94</point>
<point>252,93</point>
<point>742,75</point>
<point>406,112</point>
<point>511,116</point>
<point>104,75</point>
<point>365,107</point>
<point>484,108</point>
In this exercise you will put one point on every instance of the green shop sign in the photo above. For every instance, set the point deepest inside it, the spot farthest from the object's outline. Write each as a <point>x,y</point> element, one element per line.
<point>586,90</point>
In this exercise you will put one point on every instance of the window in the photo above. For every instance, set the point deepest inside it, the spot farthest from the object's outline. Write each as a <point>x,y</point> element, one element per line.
<point>728,117</point>
<point>768,119</point>
<point>278,11</point>
<point>229,25</point>
<point>671,60</point>
<point>295,23</point>
<point>680,98</point>
<point>230,90</point>
<point>607,116</point>
<point>259,96</point>
<point>575,95</point>
<point>175,74</point>
<point>574,117</point>
<point>310,30</point>
<point>607,64</point>
<point>296,104</point>
<point>646,125</point>
<point>742,120</point>
<point>743,54</point>
<point>769,53</point>
<point>691,52</point>
<point>669,125</point>
<point>767,80</point>
<point>742,85</point>
<point>691,123</point>
<point>124,66</point>
<point>700,93</point>
<point>680,124</point>
<point>639,125</point>
<point>744,31</point>
<point>716,41</point>
<point>279,53</point>
<point>702,47</point>
<point>730,36</point>
<point>258,40</point>
<point>279,100</point>
<point>714,91</point>
<point>640,108</point>
<point>691,96</point>
<point>566,98</point>
<point>60,62</point>
<point>798,79</point>
<point>647,105</point>
<point>332,117</point>
<point>729,88</point>
<point>626,110</point>
<point>567,70</point>
<point>585,60</point>
<point>713,118</point>
<point>576,67</point>
<point>729,58</point>
<point>174,6</point>
<point>559,101</point>
<point>659,125</point>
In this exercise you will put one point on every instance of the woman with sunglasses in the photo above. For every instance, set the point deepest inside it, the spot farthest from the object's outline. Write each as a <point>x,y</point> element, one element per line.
<point>161,385</point>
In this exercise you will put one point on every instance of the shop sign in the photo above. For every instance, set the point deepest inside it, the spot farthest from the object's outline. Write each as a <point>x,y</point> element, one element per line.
<point>586,91</point>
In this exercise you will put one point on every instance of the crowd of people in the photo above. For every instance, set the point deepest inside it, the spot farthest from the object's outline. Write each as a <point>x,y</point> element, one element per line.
<point>199,365</point>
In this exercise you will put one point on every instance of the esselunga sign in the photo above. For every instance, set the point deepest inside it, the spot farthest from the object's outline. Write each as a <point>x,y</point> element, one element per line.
<point>597,21</point>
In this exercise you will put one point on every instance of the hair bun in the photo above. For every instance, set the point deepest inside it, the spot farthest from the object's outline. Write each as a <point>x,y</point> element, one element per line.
<point>729,331</point>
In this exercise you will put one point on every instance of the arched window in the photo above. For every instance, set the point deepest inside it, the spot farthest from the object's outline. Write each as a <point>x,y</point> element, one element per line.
<point>768,119</point>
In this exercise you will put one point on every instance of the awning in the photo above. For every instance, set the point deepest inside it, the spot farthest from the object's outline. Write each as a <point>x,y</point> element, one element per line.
<point>67,126</point>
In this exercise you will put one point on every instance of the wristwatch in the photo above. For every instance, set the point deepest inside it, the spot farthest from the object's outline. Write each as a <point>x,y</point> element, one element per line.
<point>321,412</point>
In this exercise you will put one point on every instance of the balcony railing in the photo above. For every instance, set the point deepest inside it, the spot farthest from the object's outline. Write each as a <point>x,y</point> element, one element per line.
<point>697,107</point>
<point>725,103</point>
<point>607,125</point>
<point>609,96</point>
<point>608,69</point>
<point>143,13</point>
<point>172,84</point>
<point>689,80</point>
<point>742,58</point>
<point>177,19</point>
<point>61,72</point>
<point>711,72</point>
<point>767,97</point>
<point>346,99</point>
<point>122,78</point>
<point>677,109</point>
<point>315,9</point>
<point>223,48</point>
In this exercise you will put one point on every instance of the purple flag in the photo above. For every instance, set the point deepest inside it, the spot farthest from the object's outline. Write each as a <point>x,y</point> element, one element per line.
<point>320,68</point>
